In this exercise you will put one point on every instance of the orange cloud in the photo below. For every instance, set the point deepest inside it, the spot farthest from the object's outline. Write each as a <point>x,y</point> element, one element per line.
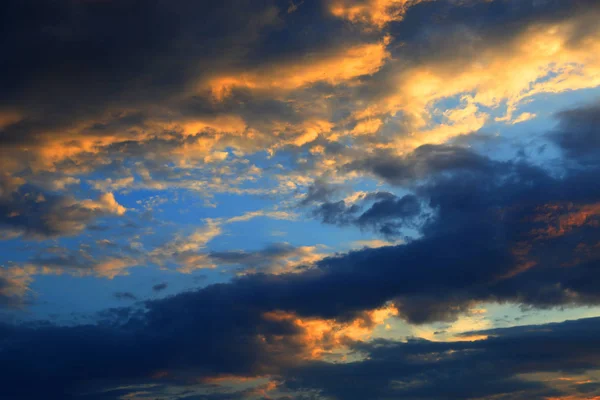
<point>542,59</point>
<point>375,13</point>
<point>113,267</point>
<point>334,67</point>
<point>327,337</point>
<point>368,126</point>
<point>15,282</point>
<point>221,123</point>
<point>8,117</point>
<point>563,218</point>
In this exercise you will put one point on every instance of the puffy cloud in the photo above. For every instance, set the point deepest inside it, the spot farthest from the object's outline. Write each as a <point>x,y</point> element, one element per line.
<point>162,131</point>
<point>37,214</point>
<point>14,284</point>
<point>387,213</point>
<point>548,53</point>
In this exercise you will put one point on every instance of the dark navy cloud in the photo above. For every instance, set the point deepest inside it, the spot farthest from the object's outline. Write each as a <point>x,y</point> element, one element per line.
<point>578,134</point>
<point>424,161</point>
<point>386,213</point>
<point>159,287</point>
<point>126,296</point>
<point>421,369</point>
<point>87,361</point>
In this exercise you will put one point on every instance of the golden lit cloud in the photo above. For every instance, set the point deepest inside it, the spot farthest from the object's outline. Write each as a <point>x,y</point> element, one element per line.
<point>14,282</point>
<point>526,116</point>
<point>113,267</point>
<point>367,126</point>
<point>376,13</point>
<point>326,337</point>
<point>333,67</point>
<point>542,59</point>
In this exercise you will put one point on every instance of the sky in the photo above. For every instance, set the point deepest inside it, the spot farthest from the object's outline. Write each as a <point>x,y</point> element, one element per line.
<point>300,200</point>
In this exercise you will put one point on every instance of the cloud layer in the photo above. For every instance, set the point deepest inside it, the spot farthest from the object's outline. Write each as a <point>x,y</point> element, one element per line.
<point>333,199</point>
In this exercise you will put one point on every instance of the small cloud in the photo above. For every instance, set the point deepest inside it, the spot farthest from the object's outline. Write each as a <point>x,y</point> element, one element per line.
<point>160,287</point>
<point>524,117</point>
<point>125,296</point>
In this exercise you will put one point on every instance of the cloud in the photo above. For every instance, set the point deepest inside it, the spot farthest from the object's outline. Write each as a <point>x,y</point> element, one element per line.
<point>424,161</point>
<point>546,52</point>
<point>319,191</point>
<point>167,336</point>
<point>275,214</point>
<point>159,287</point>
<point>526,116</point>
<point>334,68</point>
<point>14,285</point>
<point>577,133</point>
<point>248,99</point>
<point>387,213</point>
<point>328,83</point>
<point>37,214</point>
<point>125,296</point>
<point>171,339</point>
<point>372,13</point>
<point>276,258</point>
<point>496,367</point>
<point>189,252</point>
<point>101,111</point>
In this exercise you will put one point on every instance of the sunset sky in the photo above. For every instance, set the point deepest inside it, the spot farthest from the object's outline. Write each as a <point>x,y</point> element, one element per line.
<point>300,200</point>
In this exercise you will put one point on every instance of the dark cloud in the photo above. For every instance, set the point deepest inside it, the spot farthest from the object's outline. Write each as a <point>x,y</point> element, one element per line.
<point>168,46</point>
<point>319,191</point>
<point>125,296</point>
<point>160,287</point>
<point>27,210</point>
<point>70,78</point>
<point>451,29</point>
<point>421,163</point>
<point>385,213</point>
<point>497,233</point>
<point>337,213</point>
<point>420,369</point>
<point>172,341</point>
<point>183,335</point>
<point>578,133</point>
<point>268,257</point>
